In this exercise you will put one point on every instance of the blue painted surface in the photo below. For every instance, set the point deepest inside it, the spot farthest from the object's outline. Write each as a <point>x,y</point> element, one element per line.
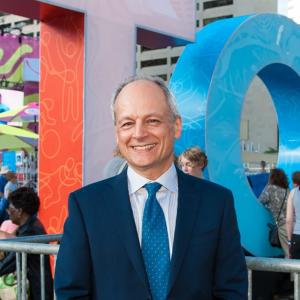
<point>9,160</point>
<point>3,107</point>
<point>258,182</point>
<point>31,69</point>
<point>210,81</point>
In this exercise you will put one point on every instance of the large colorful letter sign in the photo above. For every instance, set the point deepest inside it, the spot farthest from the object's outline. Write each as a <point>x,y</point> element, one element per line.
<point>110,46</point>
<point>110,31</point>
<point>87,48</point>
<point>210,82</point>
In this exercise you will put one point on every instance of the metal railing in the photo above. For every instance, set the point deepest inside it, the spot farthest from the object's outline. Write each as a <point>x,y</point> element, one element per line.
<point>23,246</point>
<point>274,265</point>
<point>39,245</point>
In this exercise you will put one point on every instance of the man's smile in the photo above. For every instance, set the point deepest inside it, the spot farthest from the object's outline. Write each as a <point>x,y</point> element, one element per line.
<point>146,147</point>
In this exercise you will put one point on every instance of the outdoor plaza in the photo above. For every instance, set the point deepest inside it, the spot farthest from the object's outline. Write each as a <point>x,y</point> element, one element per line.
<point>235,79</point>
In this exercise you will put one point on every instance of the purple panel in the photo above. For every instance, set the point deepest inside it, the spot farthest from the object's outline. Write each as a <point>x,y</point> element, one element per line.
<point>19,47</point>
<point>30,88</point>
<point>13,50</point>
<point>28,8</point>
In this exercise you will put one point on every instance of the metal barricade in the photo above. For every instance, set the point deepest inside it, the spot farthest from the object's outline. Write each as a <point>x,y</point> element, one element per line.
<point>38,244</point>
<point>23,246</point>
<point>274,265</point>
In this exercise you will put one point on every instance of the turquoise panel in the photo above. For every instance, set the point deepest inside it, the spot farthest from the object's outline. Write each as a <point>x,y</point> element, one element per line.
<point>210,81</point>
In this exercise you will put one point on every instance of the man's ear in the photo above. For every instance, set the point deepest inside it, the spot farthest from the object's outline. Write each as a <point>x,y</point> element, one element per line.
<point>178,127</point>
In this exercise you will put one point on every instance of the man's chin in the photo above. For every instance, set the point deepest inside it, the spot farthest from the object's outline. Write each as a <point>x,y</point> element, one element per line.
<point>142,166</point>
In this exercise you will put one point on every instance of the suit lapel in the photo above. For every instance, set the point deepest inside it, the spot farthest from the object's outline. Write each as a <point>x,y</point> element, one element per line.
<point>186,215</point>
<point>125,225</point>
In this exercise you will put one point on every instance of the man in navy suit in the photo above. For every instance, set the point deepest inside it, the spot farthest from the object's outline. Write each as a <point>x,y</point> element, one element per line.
<point>151,232</point>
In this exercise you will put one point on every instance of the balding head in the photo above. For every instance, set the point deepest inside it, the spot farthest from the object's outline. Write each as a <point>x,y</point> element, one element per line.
<point>155,80</point>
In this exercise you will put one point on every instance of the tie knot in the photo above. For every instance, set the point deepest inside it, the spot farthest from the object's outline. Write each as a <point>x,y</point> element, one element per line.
<point>152,188</point>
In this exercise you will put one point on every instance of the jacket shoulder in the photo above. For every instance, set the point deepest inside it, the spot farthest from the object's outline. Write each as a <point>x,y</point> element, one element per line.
<point>99,188</point>
<point>203,184</point>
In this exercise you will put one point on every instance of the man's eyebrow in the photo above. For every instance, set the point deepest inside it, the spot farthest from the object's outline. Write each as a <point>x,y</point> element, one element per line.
<point>154,114</point>
<point>124,118</point>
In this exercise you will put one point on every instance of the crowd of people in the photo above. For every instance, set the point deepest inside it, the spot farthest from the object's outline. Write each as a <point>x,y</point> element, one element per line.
<point>284,205</point>
<point>19,207</point>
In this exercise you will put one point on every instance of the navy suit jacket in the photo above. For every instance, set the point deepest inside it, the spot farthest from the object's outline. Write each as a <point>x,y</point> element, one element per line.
<point>100,255</point>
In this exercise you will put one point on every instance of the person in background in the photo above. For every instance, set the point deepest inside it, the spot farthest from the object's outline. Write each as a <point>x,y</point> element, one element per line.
<point>9,227</point>
<point>10,186</point>
<point>263,165</point>
<point>3,202</point>
<point>273,197</point>
<point>293,217</point>
<point>3,179</point>
<point>193,161</point>
<point>7,230</point>
<point>23,207</point>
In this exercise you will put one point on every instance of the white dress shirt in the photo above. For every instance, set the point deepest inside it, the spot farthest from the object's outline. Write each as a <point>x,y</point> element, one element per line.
<point>167,196</point>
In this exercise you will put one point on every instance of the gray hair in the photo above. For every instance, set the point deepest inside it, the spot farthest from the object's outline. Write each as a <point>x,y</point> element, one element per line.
<point>159,82</point>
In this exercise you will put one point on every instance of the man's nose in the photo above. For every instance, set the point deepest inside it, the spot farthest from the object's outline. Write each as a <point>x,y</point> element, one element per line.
<point>140,130</point>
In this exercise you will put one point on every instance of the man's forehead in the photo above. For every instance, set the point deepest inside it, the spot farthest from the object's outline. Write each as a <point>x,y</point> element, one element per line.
<point>142,82</point>
<point>142,98</point>
<point>141,86</point>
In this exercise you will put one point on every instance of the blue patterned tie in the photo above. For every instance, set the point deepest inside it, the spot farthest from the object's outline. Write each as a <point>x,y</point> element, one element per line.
<point>155,244</point>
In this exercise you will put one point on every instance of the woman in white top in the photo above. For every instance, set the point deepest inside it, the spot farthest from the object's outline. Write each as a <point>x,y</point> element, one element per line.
<point>293,218</point>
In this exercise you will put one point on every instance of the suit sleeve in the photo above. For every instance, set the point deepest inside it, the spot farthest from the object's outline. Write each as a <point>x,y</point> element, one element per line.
<point>73,266</point>
<point>231,282</point>
<point>8,264</point>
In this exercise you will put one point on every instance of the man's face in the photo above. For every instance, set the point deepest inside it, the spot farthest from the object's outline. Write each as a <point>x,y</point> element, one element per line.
<point>145,130</point>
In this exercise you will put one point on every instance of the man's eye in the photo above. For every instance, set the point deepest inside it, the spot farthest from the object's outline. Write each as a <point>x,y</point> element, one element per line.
<point>126,124</point>
<point>153,121</point>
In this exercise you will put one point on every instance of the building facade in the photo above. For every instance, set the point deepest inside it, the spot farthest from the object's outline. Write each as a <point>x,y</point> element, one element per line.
<point>18,25</point>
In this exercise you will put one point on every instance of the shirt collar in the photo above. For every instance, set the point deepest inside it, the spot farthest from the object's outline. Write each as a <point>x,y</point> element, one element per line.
<point>168,180</point>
